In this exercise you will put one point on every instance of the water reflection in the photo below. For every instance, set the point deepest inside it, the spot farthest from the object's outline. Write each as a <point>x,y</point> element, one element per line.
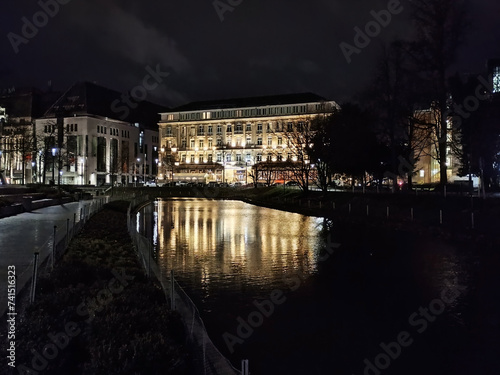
<point>224,244</point>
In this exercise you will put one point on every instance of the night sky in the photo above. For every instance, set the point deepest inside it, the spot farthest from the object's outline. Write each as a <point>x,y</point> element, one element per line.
<point>262,47</point>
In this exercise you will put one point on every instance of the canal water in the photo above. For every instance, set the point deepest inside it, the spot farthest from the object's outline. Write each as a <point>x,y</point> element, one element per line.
<point>301,295</point>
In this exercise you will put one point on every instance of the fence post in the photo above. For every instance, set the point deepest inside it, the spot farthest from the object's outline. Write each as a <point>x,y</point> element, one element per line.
<point>172,289</point>
<point>411,211</point>
<point>244,367</point>
<point>440,216</point>
<point>367,210</point>
<point>33,277</point>
<point>54,246</point>
<point>149,259</point>
<point>388,212</point>
<point>67,232</point>
<point>472,219</point>
<point>349,208</point>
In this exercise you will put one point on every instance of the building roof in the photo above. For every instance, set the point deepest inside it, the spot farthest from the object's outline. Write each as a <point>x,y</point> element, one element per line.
<point>86,98</point>
<point>250,102</point>
<point>27,103</point>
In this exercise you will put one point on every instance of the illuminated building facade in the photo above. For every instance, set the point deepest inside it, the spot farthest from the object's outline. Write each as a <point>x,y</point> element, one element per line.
<point>219,141</point>
<point>81,140</point>
<point>426,154</point>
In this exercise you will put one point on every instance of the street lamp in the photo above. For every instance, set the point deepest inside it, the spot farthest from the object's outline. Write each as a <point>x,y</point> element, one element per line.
<point>54,151</point>
<point>135,170</point>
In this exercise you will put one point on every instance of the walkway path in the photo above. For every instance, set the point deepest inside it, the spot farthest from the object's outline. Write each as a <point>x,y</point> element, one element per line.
<point>22,235</point>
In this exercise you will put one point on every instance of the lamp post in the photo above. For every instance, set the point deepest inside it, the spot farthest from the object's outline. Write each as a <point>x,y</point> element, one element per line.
<point>173,161</point>
<point>54,150</point>
<point>135,169</point>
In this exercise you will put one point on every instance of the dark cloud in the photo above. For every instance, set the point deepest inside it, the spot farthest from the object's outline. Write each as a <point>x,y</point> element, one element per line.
<point>261,47</point>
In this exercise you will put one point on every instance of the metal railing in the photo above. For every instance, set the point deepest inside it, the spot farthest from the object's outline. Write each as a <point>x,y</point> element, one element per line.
<point>206,358</point>
<point>42,264</point>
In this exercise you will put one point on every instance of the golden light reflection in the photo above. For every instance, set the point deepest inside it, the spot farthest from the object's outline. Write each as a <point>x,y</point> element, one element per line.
<point>207,240</point>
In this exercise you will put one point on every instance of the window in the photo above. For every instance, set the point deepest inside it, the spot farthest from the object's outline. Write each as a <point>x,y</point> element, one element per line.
<point>280,157</point>
<point>259,158</point>
<point>248,158</point>
<point>200,143</point>
<point>201,130</point>
<point>183,158</point>
<point>249,128</point>
<point>210,129</point>
<point>183,143</point>
<point>191,143</point>
<point>259,128</point>
<point>219,158</point>
<point>219,129</point>
<point>229,129</point>
<point>239,129</point>
<point>210,158</point>
<point>290,127</point>
<point>269,157</point>
<point>210,143</point>
<point>269,141</point>
<point>259,141</point>
<point>76,127</point>
<point>219,142</point>
<point>269,128</point>
<point>228,157</point>
<point>191,158</point>
<point>169,131</point>
<point>280,141</point>
<point>238,157</point>
<point>249,140</point>
<point>300,126</point>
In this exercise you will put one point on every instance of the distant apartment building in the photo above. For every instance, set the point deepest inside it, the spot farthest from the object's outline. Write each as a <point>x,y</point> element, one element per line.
<point>82,141</point>
<point>221,140</point>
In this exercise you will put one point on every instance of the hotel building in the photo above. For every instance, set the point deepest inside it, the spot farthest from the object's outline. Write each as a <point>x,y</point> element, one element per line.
<point>220,141</point>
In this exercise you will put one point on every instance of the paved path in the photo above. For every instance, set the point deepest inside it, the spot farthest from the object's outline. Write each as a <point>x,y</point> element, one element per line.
<point>22,235</point>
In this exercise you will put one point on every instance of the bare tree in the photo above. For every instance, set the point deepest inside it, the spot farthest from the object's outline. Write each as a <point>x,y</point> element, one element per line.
<point>440,26</point>
<point>299,138</point>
